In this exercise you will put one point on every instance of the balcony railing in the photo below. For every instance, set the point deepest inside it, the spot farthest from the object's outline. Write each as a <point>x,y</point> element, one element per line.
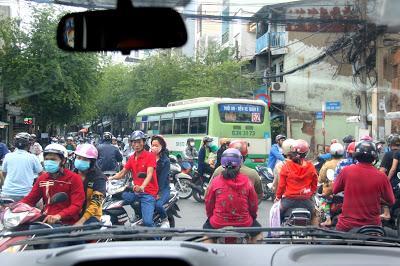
<point>272,39</point>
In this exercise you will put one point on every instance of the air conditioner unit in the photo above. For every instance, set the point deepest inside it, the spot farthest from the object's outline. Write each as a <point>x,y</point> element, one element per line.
<point>278,86</point>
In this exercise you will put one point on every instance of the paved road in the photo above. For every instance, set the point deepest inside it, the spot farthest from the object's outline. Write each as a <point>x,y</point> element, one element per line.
<point>194,215</point>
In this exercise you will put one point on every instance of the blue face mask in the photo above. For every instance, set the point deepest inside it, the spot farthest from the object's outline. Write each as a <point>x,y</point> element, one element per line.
<point>82,165</point>
<point>51,166</point>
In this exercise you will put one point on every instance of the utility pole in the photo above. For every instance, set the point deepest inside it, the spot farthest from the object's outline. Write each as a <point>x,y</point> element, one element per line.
<point>364,96</point>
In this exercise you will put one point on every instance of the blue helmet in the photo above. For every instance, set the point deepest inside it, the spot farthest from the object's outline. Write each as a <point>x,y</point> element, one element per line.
<point>231,158</point>
<point>137,135</point>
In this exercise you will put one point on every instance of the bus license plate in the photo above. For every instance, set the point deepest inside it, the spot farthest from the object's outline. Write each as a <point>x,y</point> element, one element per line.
<point>244,133</point>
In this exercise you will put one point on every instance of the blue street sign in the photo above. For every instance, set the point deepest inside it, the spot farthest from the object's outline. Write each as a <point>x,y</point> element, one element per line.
<point>333,106</point>
<point>318,115</point>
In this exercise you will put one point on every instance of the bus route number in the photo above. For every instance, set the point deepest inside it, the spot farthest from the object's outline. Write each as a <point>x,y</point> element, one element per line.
<point>244,133</point>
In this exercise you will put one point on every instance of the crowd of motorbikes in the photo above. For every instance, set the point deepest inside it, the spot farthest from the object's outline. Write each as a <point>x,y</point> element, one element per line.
<point>185,182</point>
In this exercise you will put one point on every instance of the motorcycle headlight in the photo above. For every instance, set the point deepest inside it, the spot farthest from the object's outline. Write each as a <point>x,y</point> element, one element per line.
<point>12,220</point>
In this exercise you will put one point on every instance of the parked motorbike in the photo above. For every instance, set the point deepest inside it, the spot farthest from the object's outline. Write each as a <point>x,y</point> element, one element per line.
<point>119,213</point>
<point>182,181</point>
<point>18,217</point>
<point>267,179</point>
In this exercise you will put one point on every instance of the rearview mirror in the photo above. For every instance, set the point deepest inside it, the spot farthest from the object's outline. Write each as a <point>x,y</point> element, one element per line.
<point>121,30</point>
<point>59,197</point>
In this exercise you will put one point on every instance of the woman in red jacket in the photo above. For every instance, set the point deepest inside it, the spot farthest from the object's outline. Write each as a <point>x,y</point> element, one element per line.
<point>298,180</point>
<point>231,199</point>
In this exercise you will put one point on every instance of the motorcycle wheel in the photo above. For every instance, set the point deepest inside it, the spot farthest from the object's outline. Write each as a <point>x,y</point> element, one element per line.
<point>198,196</point>
<point>171,220</point>
<point>185,191</point>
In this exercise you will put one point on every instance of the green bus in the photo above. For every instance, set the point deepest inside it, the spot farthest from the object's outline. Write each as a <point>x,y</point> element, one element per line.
<point>216,117</point>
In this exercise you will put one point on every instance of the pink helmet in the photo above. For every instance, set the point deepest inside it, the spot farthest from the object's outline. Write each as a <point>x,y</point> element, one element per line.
<point>300,146</point>
<point>366,138</point>
<point>87,150</point>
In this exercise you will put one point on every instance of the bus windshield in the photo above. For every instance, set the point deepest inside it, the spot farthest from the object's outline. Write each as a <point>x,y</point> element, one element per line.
<point>241,113</point>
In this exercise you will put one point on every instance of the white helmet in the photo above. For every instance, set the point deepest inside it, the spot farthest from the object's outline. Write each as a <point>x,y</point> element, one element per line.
<point>287,146</point>
<point>57,149</point>
<point>336,149</point>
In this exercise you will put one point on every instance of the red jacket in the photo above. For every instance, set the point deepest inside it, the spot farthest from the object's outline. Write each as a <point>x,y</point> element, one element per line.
<point>364,186</point>
<point>231,202</point>
<point>297,181</point>
<point>45,187</point>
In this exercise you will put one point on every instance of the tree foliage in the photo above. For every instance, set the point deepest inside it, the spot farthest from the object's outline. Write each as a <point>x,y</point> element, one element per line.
<point>54,86</point>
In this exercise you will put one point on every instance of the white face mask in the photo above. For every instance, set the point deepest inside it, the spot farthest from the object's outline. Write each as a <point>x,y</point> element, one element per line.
<point>191,144</point>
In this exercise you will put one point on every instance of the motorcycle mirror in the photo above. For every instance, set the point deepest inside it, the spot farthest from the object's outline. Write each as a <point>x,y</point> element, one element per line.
<point>330,174</point>
<point>142,175</point>
<point>59,197</point>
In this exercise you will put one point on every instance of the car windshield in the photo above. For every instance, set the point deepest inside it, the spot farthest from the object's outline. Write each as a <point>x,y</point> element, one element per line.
<point>299,97</point>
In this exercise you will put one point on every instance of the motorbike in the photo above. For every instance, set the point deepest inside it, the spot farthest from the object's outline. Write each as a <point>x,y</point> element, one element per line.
<point>119,213</point>
<point>182,180</point>
<point>70,160</point>
<point>267,179</point>
<point>19,216</point>
<point>394,222</point>
<point>335,206</point>
<point>200,185</point>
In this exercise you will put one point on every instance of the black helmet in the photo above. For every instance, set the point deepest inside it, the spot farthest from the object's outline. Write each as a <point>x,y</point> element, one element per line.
<point>107,136</point>
<point>22,140</point>
<point>365,152</point>
<point>208,139</point>
<point>137,135</point>
<point>279,137</point>
<point>394,140</point>
<point>348,139</point>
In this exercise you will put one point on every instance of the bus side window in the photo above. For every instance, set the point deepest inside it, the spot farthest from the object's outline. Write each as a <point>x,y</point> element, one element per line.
<point>166,127</point>
<point>181,125</point>
<point>198,125</point>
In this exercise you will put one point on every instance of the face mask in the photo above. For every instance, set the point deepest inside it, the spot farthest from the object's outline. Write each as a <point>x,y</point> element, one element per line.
<point>81,165</point>
<point>209,144</point>
<point>191,144</point>
<point>155,149</point>
<point>51,166</point>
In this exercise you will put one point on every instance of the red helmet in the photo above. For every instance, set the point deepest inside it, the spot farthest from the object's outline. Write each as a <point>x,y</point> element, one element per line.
<point>351,148</point>
<point>301,146</point>
<point>241,145</point>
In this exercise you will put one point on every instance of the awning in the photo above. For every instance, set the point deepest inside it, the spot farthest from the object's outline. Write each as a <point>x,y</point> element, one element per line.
<point>3,124</point>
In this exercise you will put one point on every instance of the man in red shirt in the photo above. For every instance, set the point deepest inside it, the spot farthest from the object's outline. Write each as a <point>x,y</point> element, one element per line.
<point>57,179</point>
<point>142,164</point>
<point>364,186</point>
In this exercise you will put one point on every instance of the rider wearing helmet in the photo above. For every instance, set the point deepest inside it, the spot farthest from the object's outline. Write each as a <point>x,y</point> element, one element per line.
<point>349,160</point>
<point>57,179</point>
<point>275,153</point>
<point>94,183</point>
<point>142,165</point>
<point>204,153</point>
<point>35,147</point>
<point>20,169</point>
<point>298,180</point>
<point>390,161</point>
<point>70,145</point>
<point>337,152</point>
<point>223,145</point>
<point>231,199</point>
<point>190,153</point>
<point>286,148</point>
<point>109,155</point>
<point>252,174</point>
<point>364,186</point>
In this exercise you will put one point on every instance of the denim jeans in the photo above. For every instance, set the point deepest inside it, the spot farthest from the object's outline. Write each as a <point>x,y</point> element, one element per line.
<point>164,197</point>
<point>147,202</point>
